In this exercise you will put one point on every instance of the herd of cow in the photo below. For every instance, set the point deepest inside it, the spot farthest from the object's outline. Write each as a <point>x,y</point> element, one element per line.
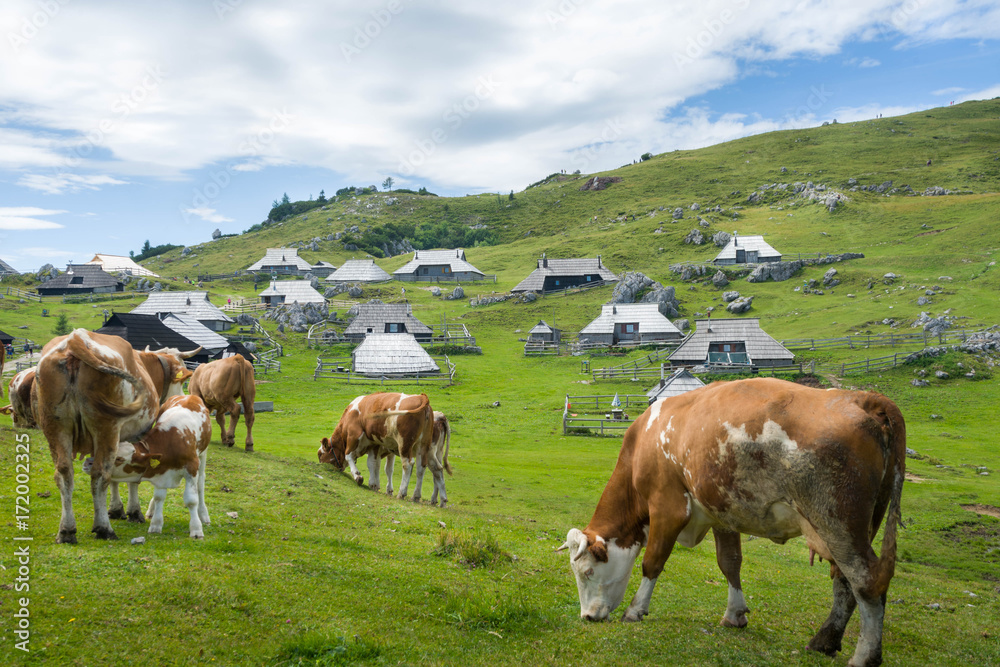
<point>763,457</point>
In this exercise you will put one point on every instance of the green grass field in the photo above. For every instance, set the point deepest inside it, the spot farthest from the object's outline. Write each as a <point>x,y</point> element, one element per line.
<point>313,570</point>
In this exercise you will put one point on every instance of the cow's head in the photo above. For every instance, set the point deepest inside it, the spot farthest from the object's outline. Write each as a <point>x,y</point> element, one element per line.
<point>602,572</point>
<point>332,450</point>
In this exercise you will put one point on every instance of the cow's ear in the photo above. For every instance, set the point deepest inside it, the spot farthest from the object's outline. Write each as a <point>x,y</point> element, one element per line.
<point>326,443</point>
<point>600,551</point>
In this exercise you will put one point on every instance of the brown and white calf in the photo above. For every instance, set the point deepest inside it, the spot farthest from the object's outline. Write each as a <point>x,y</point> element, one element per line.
<point>436,458</point>
<point>19,393</point>
<point>764,457</point>
<point>383,424</point>
<point>174,450</point>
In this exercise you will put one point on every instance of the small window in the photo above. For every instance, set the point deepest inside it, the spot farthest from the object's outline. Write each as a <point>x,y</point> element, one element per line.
<point>392,327</point>
<point>727,348</point>
<point>446,269</point>
<point>78,280</point>
<point>557,283</point>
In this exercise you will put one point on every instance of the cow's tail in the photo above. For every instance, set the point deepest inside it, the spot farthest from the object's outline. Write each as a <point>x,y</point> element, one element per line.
<point>79,348</point>
<point>248,390</point>
<point>895,431</point>
<point>447,446</point>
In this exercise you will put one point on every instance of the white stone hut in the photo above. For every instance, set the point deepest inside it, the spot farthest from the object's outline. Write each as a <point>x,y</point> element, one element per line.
<point>392,354</point>
<point>359,271</point>
<point>680,382</point>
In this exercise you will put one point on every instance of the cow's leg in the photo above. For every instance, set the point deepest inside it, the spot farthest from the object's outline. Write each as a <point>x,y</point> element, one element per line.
<point>191,501</point>
<point>234,419</point>
<point>202,507</point>
<point>828,639</point>
<point>248,418</point>
<point>352,464</point>
<point>61,449</point>
<point>861,572</point>
<point>390,463</point>
<point>156,520</point>
<point>374,483</point>
<point>404,483</point>
<point>134,511</point>
<point>729,555</point>
<point>116,510</point>
<point>667,519</point>
<point>220,417</point>
<point>418,484</point>
<point>100,478</point>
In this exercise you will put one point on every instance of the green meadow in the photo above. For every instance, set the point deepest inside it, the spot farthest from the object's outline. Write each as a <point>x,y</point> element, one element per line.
<point>302,567</point>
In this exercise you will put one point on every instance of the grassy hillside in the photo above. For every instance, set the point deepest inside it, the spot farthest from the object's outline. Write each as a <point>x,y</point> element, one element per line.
<point>314,570</point>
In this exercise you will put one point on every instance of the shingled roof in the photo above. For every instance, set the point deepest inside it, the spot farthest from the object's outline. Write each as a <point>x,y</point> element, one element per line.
<point>359,271</point>
<point>372,318</point>
<point>287,258</point>
<point>6,269</point>
<point>751,244</point>
<point>759,345</point>
<point>294,291</point>
<point>647,315</point>
<point>121,264</point>
<point>680,382</point>
<point>146,330</point>
<point>455,259</point>
<point>391,354</point>
<point>82,278</point>
<point>195,304</point>
<point>535,282</point>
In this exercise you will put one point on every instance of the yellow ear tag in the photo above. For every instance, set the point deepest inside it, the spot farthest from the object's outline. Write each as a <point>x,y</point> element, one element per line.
<point>180,375</point>
<point>154,462</point>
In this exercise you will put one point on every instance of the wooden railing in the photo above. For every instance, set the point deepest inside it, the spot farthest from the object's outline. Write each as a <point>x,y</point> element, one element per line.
<point>891,339</point>
<point>340,368</point>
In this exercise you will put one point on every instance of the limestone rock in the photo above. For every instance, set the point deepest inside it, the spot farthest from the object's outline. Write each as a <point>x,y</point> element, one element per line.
<point>740,305</point>
<point>719,279</point>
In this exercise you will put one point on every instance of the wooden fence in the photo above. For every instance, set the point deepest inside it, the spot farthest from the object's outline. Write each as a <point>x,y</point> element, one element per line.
<point>891,339</point>
<point>585,421</point>
<point>631,369</point>
<point>95,297</point>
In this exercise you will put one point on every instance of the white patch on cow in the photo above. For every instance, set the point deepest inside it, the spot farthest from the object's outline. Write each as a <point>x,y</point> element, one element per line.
<point>639,606</point>
<point>354,404</point>
<point>402,397</point>
<point>602,586</point>
<point>100,349</point>
<point>733,435</point>
<point>182,419</point>
<point>654,413</point>
<point>698,524</point>
<point>773,432</point>
<point>15,384</point>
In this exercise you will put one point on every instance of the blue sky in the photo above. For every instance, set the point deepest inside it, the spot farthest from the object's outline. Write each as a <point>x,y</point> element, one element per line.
<point>121,124</point>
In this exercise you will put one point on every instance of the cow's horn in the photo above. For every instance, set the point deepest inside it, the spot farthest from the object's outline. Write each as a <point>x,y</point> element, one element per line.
<point>188,355</point>
<point>147,349</point>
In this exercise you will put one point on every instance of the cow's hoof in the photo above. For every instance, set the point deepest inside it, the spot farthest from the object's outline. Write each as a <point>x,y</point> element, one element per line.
<point>360,480</point>
<point>198,537</point>
<point>739,621</point>
<point>116,513</point>
<point>444,503</point>
<point>102,533</point>
<point>249,449</point>
<point>633,616</point>
<point>416,499</point>
<point>229,444</point>
<point>136,517</point>
<point>828,649</point>
<point>66,537</point>
<point>388,492</point>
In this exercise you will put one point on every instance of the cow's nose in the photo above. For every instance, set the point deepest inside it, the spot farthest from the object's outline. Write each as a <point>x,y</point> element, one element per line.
<point>590,617</point>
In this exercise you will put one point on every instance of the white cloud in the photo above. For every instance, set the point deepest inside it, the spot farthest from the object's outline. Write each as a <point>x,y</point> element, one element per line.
<point>208,214</point>
<point>25,218</point>
<point>948,91</point>
<point>515,89</point>
<point>59,184</point>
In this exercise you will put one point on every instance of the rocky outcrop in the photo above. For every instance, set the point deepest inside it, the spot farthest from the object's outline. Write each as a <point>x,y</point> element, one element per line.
<point>632,283</point>
<point>694,237</point>
<point>729,297</point>
<point>777,271</point>
<point>298,317</point>
<point>740,305</point>
<point>719,280</point>
<point>721,239</point>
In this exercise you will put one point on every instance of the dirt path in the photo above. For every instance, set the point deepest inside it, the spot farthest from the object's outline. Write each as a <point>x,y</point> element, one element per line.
<point>834,380</point>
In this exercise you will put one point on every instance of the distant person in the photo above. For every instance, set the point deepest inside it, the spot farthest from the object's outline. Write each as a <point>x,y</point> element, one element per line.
<point>27,349</point>
<point>928,163</point>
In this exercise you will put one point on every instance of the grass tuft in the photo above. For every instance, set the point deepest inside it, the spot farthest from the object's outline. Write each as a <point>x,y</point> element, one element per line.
<point>478,548</point>
<point>320,650</point>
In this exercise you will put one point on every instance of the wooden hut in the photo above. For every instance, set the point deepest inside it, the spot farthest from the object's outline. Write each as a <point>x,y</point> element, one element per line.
<point>121,265</point>
<point>680,381</point>
<point>143,331</point>
<point>359,271</point>
<point>559,274</point>
<point>7,270</point>
<point>281,261</point>
<point>392,354</point>
<point>433,265</point>
<point>543,333</point>
<point>386,318</point>
<point>290,291</point>
<point>81,279</point>
<point>322,269</point>
<point>731,341</point>
<point>629,323</point>
<point>195,304</point>
<point>747,250</point>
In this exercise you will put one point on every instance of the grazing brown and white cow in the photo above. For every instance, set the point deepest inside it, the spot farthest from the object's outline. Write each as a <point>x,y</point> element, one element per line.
<point>219,383</point>
<point>398,424</point>
<point>765,457</point>
<point>90,393</point>
<point>436,458</point>
<point>19,392</point>
<point>168,373</point>
<point>175,449</point>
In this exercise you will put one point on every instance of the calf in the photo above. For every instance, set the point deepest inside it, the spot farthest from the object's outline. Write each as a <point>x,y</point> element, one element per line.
<point>175,449</point>
<point>21,408</point>
<point>435,458</point>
